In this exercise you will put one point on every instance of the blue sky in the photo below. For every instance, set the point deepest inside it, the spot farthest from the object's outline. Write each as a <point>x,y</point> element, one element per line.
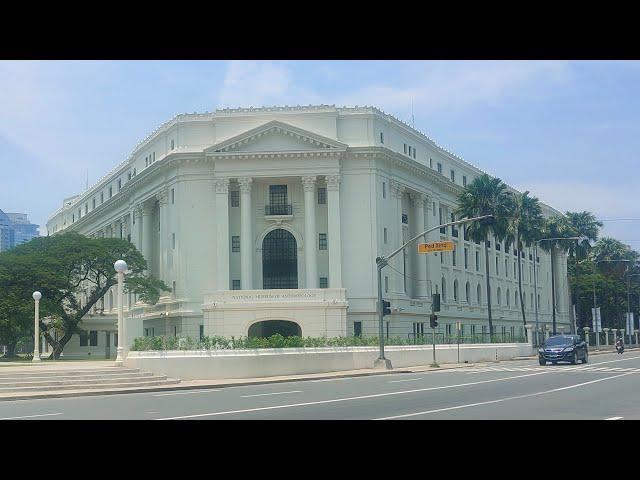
<point>567,131</point>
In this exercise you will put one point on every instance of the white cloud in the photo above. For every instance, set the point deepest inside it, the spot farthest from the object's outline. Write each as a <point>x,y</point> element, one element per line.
<point>255,84</point>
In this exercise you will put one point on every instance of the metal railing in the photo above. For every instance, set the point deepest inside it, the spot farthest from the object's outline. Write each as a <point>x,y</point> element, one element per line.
<point>278,209</point>
<point>443,338</point>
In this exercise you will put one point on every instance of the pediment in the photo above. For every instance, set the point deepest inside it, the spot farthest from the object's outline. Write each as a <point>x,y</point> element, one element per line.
<point>276,136</point>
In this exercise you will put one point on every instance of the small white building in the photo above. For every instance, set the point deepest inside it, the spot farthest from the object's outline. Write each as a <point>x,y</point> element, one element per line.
<point>266,220</point>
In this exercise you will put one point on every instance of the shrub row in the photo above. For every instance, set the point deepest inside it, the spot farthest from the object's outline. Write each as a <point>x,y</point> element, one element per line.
<point>278,341</point>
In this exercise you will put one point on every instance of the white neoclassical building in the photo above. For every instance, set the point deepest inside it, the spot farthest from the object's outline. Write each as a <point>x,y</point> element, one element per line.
<point>267,220</point>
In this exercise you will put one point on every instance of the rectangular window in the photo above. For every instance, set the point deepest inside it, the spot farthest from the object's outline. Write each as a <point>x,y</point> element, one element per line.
<point>110,192</point>
<point>119,184</point>
<point>477,261</point>
<point>409,150</point>
<point>439,167</point>
<point>94,204</point>
<point>101,198</point>
<point>453,175</point>
<point>174,289</point>
<point>146,162</point>
<point>134,172</point>
<point>154,156</point>
<point>201,326</point>
<point>443,229</point>
<point>173,196</point>
<point>464,180</point>
<point>173,144</point>
<point>381,137</point>
<point>454,230</point>
<point>498,246</point>
<point>434,208</point>
<point>466,258</point>
<point>73,218</point>
<point>453,256</point>
<point>86,208</point>
<point>322,195</point>
<point>322,241</point>
<point>431,163</point>
<point>405,148</point>
<point>93,338</point>
<point>497,269</point>
<point>323,282</point>
<point>236,285</point>
<point>357,329</point>
<point>384,230</point>
<point>384,190</point>
<point>235,243</point>
<point>442,257</point>
<point>175,330</point>
<point>278,194</point>
<point>414,152</point>
<point>235,198</point>
<point>115,339</point>
<point>84,337</point>
<point>173,241</point>
<point>129,176</point>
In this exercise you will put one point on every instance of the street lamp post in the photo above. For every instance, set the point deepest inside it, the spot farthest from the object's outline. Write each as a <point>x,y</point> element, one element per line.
<point>36,337</point>
<point>383,261</point>
<point>629,300</point>
<point>120,267</point>
<point>595,265</point>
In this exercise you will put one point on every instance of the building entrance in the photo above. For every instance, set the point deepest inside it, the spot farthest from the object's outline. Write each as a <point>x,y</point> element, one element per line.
<point>271,327</point>
<point>279,260</point>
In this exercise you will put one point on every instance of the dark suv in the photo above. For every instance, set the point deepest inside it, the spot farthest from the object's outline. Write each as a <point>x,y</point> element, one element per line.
<point>563,348</point>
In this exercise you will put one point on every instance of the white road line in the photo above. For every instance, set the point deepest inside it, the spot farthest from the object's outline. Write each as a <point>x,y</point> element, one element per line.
<point>190,392</point>
<point>320,402</point>
<point>613,418</point>
<point>32,416</point>
<point>407,380</point>
<point>499,400</point>
<point>332,379</point>
<point>265,394</point>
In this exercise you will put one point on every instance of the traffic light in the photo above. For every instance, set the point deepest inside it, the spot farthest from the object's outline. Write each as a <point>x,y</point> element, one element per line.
<point>435,302</point>
<point>433,320</point>
<point>386,307</point>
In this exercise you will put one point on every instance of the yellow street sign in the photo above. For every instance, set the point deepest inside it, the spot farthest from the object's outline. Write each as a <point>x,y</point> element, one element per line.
<point>446,246</point>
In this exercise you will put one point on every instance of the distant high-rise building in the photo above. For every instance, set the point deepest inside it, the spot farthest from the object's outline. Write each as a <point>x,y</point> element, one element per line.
<point>15,229</point>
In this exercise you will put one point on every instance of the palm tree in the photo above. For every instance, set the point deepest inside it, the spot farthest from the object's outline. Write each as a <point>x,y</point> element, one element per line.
<point>585,225</point>
<point>485,196</point>
<point>555,227</point>
<point>523,228</point>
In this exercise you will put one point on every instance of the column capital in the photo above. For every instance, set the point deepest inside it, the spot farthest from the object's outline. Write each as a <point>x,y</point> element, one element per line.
<point>222,185</point>
<point>397,189</point>
<point>245,184</point>
<point>418,198</point>
<point>146,209</point>
<point>163,196</point>
<point>309,182</point>
<point>333,182</point>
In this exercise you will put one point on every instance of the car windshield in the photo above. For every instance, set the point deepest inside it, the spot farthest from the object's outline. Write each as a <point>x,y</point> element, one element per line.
<point>558,341</point>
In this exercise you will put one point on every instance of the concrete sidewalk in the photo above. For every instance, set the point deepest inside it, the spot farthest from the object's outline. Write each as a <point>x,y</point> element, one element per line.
<point>209,384</point>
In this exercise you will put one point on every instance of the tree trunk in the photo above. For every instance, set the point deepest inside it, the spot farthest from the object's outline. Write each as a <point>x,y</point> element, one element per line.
<point>486,268</point>
<point>11,349</point>
<point>57,347</point>
<point>553,288</point>
<point>524,320</point>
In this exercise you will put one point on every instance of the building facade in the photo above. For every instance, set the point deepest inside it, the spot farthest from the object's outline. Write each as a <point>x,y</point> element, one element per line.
<point>270,219</point>
<point>15,228</point>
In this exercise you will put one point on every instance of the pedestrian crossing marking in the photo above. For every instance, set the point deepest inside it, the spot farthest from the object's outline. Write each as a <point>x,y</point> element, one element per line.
<point>555,368</point>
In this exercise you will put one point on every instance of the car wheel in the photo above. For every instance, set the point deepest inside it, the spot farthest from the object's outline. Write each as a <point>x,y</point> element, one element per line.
<point>574,360</point>
<point>542,361</point>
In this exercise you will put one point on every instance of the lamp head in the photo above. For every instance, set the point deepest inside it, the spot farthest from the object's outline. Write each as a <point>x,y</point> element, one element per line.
<point>120,266</point>
<point>37,295</point>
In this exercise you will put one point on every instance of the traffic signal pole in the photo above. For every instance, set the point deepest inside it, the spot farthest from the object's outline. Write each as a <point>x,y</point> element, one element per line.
<point>383,261</point>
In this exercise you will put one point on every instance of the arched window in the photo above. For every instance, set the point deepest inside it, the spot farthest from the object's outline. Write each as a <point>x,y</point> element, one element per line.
<point>508,298</point>
<point>498,294</point>
<point>444,290</point>
<point>467,291</point>
<point>455,290</point>
<point>479,294</point>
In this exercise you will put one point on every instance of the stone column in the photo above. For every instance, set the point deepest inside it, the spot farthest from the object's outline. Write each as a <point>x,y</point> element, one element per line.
<point>586,334</point>
<point>614,336</point>
<point>606,335</point>
<point>310,234</point>
<point>246,235</point>
<point>397,263</point>
<point>125,227</point>
<point>335,242</point>
<point>418,200</point>
<point>115,230</point>
<point>163,243</point>
<point>222,222</point>
<point>147,233</point>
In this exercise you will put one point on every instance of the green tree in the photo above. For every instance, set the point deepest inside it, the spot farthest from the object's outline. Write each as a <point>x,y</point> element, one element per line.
<point>485,196</point>
<point>523,228</point>
<point>73,273</point>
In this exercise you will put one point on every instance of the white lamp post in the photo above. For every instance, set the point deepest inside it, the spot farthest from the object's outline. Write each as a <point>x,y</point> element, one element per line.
<point>36,337</point>
<point>121,267</point>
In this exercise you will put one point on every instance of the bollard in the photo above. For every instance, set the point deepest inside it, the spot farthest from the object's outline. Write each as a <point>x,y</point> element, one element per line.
<point>606,336</point>
<point>586,335</point>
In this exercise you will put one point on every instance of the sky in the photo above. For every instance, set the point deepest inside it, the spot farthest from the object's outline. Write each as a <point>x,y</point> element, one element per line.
<point>569,132</point>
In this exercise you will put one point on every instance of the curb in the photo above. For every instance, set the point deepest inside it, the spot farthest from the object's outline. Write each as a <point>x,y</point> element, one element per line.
<point>92,393</point>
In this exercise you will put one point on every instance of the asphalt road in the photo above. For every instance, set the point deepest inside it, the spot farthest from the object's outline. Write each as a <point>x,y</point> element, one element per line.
<point>606,388</point>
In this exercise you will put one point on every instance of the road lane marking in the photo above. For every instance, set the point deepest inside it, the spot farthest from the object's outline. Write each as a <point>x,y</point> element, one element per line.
<point>191,392</point>
<point>505,399</point>
<point>265,394</point>
<point>335,400</point>
<point>32,416</point>
<point>407,380</point>
<point>613,418</point>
